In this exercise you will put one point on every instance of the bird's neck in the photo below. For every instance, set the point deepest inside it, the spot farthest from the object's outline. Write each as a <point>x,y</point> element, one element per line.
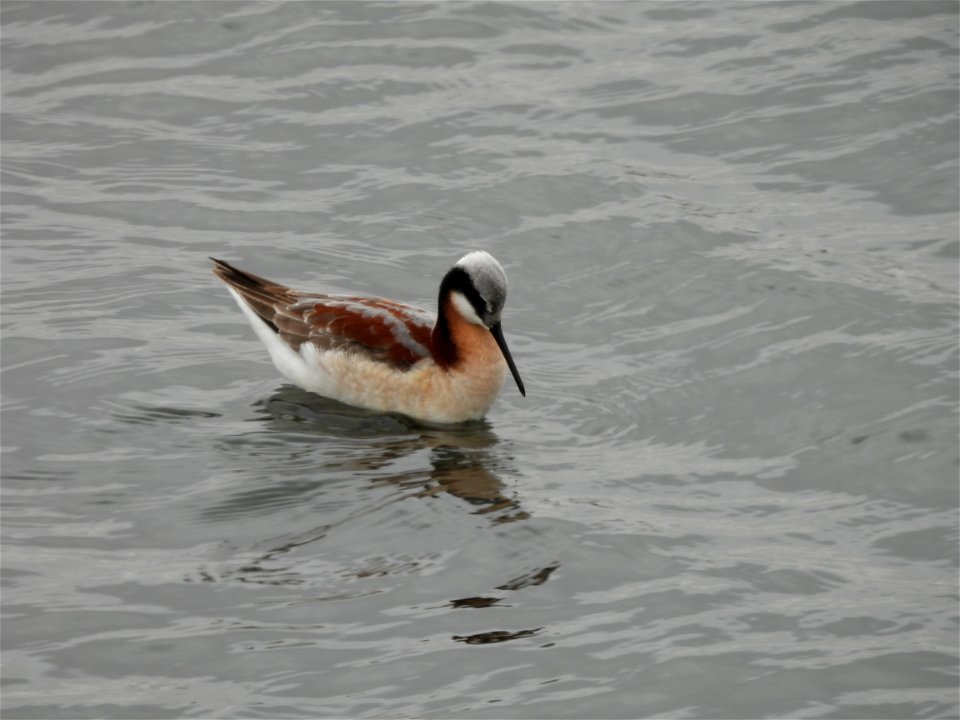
<point>456,340</point>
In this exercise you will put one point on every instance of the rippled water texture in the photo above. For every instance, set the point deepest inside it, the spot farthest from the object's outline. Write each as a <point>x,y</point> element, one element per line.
<point>731,236</point>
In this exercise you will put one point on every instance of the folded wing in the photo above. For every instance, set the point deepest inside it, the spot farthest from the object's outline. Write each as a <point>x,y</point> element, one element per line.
<point>381,330</point>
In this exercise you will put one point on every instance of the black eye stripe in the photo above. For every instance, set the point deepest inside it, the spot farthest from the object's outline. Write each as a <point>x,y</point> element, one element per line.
<point>458,280</point>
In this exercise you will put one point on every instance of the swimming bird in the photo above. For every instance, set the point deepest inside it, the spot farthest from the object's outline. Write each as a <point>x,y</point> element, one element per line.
<point>384,355</point>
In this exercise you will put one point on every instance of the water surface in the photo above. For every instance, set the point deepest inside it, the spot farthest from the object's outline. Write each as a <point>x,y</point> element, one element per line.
<point>731,236</point>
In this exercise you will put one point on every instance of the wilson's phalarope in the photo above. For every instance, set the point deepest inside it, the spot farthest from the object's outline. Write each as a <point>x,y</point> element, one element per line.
<point>384,355</point>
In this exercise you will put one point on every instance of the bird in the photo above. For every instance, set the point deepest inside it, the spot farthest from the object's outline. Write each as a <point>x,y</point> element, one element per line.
<point>387,356</point>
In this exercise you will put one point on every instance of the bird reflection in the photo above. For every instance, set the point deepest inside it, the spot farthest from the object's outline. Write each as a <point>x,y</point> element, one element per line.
<point>301,441</point>
<point>468,477</point>
<point>460,459</point>
<point>461,464</point>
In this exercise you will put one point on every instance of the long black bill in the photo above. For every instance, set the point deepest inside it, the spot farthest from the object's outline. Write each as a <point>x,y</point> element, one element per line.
<point>497,333</point>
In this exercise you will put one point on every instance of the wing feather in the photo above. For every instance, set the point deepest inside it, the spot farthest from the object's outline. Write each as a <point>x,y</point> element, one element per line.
<point>382,330</point>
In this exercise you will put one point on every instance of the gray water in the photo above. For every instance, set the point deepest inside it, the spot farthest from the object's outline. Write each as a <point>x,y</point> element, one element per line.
<point>731,233</point>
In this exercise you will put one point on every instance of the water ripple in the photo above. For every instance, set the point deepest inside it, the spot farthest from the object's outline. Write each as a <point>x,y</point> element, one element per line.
<point>731,237</point>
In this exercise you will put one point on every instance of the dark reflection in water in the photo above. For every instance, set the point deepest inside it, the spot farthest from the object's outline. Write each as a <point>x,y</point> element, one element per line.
<point>475,602</point>
<point>460,463</point>
<point>536,577</point>
<point>460,458</point>
<point>495,636</point>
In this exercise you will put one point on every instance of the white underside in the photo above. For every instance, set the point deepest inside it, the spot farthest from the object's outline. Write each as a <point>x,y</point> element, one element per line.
<point>425,391</point>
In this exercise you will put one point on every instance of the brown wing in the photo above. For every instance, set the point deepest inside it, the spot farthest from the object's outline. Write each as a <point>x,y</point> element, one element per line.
<point>380,329</point>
